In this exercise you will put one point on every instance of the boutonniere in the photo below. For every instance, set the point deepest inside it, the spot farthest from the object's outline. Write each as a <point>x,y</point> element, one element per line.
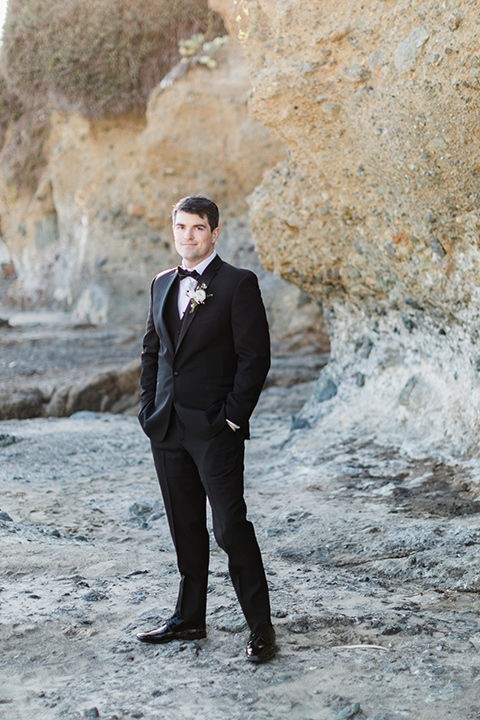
<point>198,296</point>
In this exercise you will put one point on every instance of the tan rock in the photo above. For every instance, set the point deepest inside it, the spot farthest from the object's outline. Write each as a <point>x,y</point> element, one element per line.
<point>21,404</point>
<point>97,228</point>
<point>113,390</point>
<point>136,210</point>
<point>381,126</point>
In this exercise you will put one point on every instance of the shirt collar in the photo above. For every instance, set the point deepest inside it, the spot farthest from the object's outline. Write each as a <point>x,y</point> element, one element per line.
<point>202,265</point>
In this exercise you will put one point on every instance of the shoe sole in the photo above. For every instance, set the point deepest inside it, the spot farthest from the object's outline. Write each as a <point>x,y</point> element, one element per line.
<point>258,660</point>
<point>185,635</point>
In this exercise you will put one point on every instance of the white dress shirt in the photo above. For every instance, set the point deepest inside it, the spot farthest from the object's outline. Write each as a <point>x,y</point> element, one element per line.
<point>189,283</point>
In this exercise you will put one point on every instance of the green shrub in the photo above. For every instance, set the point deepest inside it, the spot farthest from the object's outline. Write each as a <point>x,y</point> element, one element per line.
<point>11,108</point>
<point>97,56</point>
<point>23,133</point>
<point>23,157</point>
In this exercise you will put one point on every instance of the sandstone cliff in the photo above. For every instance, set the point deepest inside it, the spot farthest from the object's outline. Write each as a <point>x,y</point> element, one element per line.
<point>376,211</point>
<point>370,204</point>
<point>96,228</point>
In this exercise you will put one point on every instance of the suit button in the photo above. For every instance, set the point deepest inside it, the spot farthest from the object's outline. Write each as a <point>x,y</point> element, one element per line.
<point>176,373</point>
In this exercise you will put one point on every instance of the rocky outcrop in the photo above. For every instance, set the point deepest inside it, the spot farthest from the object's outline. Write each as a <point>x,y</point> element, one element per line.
<point>20,403</point>
<point>114,391</point>
<point>97,228</point>
<point>376,210</point>
<point>50,367</point>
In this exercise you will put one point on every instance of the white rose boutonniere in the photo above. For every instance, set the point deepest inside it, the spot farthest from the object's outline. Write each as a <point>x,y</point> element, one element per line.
<point>198,296</point>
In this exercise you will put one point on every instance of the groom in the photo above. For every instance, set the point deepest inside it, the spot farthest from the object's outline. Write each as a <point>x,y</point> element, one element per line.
<point>206,354</point>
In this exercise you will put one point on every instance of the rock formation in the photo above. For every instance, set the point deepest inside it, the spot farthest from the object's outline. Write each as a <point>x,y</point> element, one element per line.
<point>97,227</point>
<point>376,211</point>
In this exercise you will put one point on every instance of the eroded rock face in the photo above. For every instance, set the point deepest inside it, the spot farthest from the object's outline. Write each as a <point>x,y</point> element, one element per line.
<point>376,212</point>
<point>97,228</point>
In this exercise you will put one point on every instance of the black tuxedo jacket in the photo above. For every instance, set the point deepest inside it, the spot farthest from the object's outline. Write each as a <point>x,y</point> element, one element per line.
<point>217,367</point>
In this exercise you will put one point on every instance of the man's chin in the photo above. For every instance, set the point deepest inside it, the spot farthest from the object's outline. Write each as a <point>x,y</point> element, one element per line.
<point>190,257</point>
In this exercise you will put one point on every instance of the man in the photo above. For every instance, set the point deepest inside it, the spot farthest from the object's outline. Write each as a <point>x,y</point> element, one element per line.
<point>206,354</point>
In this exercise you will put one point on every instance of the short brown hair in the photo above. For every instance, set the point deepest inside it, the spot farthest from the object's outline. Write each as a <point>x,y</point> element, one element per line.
<point>198,205</point>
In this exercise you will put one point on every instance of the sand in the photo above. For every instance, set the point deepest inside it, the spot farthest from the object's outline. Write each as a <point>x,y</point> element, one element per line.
<point>372,559</point>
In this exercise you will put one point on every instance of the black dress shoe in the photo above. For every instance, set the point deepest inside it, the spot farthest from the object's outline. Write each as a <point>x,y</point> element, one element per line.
<point>261,644</point>
<point>173,629</point>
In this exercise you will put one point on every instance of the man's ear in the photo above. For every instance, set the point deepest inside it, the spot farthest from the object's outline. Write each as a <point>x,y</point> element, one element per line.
<point>215,234</point>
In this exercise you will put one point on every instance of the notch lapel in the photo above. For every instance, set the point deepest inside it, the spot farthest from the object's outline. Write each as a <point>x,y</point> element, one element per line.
<point>161,313</point>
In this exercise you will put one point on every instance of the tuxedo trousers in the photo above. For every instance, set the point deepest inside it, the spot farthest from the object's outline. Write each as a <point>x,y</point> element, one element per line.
<point>189,471</point>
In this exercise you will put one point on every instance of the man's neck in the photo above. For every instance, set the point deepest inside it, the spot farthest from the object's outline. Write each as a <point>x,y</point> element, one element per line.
<point>199,267</point>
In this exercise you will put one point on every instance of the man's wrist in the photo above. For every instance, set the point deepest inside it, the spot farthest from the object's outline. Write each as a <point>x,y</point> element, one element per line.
<point>232,425</point>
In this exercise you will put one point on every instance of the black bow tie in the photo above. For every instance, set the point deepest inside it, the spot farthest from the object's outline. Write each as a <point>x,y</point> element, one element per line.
<point>182,273</point>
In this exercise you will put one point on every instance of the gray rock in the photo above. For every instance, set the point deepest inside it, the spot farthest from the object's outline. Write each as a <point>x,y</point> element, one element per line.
<point>300,625</point>
<point>299,423</point>
<point>91,713</point>
<point>140,509</point>
<point>324,390</point>
<point>99,392</point>
<point>437,247</point>
<point>364,347</point>
<point>356,73</point>
<point>349,712</point>
<point>21,404</point>
<point>94,596</point>
<point>409,49</point>
<point>233,623</point>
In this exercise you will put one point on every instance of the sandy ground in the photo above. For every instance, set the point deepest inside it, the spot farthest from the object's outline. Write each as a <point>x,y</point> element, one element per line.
<point>372,560</point>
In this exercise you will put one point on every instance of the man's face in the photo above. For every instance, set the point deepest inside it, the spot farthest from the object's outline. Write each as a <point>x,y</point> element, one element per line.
<point>194,240</point>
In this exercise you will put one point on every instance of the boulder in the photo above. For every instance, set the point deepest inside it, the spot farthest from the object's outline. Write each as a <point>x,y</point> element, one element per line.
<point>20,404</point>
<point>115,390</point>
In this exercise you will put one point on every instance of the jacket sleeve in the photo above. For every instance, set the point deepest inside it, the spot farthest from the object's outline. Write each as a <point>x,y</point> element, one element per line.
<point>252,346</point>
<point>149,358</point>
